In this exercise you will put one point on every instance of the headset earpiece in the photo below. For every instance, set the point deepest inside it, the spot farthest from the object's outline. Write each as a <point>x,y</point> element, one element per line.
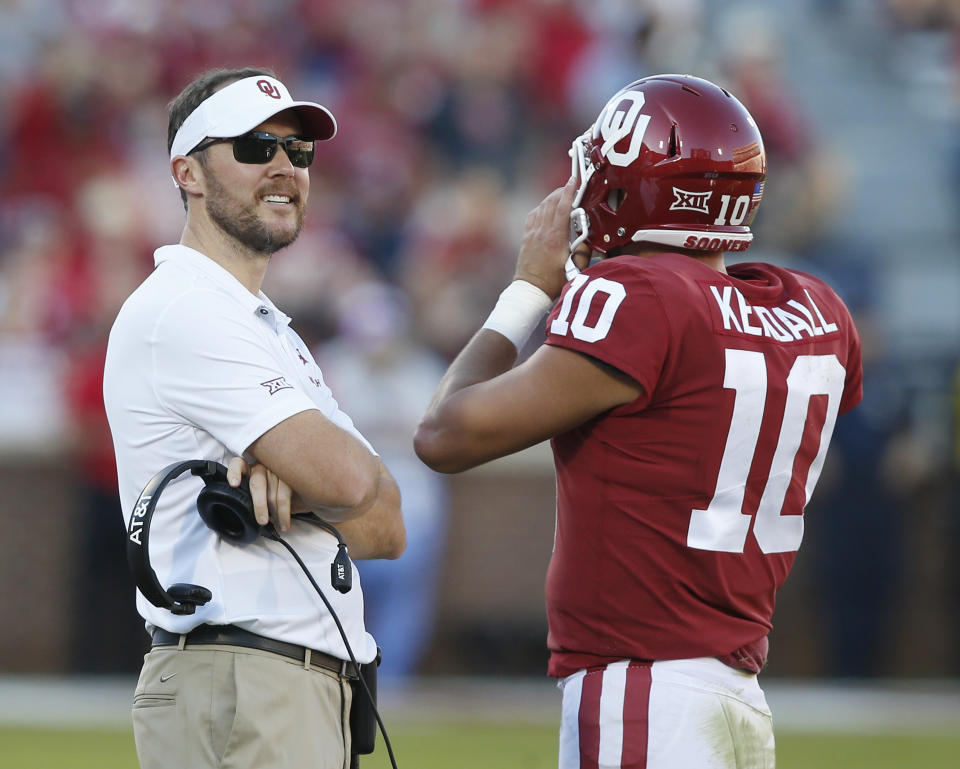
<point>225,509</point>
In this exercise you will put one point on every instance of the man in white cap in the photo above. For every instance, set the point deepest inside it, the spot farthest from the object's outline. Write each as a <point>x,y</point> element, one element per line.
<point>202,365</point>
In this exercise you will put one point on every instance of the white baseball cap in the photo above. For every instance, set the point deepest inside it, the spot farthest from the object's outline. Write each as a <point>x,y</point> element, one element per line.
<point>242,106</point>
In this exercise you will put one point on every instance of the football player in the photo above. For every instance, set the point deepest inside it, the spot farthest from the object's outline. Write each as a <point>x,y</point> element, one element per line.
<point>689,403</point>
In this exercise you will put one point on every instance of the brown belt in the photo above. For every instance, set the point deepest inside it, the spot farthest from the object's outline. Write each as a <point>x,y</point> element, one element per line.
<point>231,635</point>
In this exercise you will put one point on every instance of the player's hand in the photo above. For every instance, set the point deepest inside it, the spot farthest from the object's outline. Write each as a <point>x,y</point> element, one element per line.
<point>272,498</point>
<point>546,242</point>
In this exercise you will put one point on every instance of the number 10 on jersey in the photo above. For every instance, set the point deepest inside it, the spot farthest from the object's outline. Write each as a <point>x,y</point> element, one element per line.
<point>723,526</point>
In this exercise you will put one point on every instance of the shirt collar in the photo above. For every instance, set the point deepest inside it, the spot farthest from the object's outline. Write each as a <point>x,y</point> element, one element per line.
<point>259,305</point>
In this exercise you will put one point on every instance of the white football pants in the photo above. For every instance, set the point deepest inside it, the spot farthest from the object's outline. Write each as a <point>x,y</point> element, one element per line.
<point>676,714</point>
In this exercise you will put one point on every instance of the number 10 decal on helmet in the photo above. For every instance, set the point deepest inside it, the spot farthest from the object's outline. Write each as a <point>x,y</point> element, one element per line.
<point>672,160</point>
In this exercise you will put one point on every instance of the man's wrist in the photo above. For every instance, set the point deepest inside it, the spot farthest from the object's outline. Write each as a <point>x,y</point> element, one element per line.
<point>519,310</point>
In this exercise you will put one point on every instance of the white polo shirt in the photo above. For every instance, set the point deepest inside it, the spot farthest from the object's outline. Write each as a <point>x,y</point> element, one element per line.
<point>198,368</point>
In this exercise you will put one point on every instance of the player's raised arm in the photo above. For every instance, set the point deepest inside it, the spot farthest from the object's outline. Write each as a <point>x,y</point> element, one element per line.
<point>485,408</point>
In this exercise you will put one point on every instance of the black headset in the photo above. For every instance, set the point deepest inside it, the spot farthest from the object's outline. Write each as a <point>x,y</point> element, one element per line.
<point>224,509</point>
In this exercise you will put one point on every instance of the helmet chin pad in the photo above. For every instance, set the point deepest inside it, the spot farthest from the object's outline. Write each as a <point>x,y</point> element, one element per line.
<point>696,240</point>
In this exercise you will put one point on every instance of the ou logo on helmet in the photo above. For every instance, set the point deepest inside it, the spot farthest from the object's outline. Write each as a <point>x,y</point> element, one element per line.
<point>616,123</point>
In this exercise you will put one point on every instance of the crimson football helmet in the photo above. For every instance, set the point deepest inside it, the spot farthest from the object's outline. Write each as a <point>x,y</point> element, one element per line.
<point>673,160</point>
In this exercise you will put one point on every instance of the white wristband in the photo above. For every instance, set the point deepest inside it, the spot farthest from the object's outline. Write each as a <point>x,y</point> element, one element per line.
<point>520,308</point>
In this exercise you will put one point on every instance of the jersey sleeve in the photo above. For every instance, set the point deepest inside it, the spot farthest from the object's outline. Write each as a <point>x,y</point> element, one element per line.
<point>853,387</point>
<point>613,313</point>
<point>211,371</point>
<point>852,355</point>
<point>328,405</point>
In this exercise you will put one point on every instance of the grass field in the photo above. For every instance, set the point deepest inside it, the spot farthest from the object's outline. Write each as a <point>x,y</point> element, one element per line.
<point>461,746</point>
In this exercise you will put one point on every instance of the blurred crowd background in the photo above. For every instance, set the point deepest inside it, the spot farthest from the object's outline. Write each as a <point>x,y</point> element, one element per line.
<point>455,119</point>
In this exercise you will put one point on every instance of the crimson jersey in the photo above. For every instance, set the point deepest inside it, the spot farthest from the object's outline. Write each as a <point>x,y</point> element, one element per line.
<point>679,514</point>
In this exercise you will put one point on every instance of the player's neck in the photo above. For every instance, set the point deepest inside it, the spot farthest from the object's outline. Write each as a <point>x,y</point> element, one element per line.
<point>712,259</point>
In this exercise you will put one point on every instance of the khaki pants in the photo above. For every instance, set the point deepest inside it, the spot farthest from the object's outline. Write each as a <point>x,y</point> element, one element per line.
<point>224,707</point>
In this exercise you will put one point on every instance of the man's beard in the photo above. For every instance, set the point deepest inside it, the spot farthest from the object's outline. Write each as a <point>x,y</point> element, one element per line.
<point>241,222</point>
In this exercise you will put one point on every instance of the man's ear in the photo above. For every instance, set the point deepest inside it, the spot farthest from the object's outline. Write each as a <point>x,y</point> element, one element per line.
<point>187,174</point>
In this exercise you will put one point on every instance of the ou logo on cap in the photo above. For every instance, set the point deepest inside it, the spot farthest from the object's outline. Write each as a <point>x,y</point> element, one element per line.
<point>269,89</point>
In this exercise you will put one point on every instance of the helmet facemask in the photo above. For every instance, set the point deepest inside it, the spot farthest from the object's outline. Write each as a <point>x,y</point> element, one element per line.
<point>581,169</point>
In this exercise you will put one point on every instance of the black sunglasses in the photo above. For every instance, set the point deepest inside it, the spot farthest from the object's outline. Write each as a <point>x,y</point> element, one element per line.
<point>258,147</point>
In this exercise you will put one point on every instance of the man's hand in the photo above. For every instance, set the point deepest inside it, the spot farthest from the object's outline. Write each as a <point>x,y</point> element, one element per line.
<point>546,242</point>
<point>272,498</point>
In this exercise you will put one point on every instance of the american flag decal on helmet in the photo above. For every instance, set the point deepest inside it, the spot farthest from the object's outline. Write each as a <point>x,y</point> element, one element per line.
<point>757,194</point>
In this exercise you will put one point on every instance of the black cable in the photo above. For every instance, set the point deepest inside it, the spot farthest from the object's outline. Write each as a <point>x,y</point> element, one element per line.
<point>271,533</point>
